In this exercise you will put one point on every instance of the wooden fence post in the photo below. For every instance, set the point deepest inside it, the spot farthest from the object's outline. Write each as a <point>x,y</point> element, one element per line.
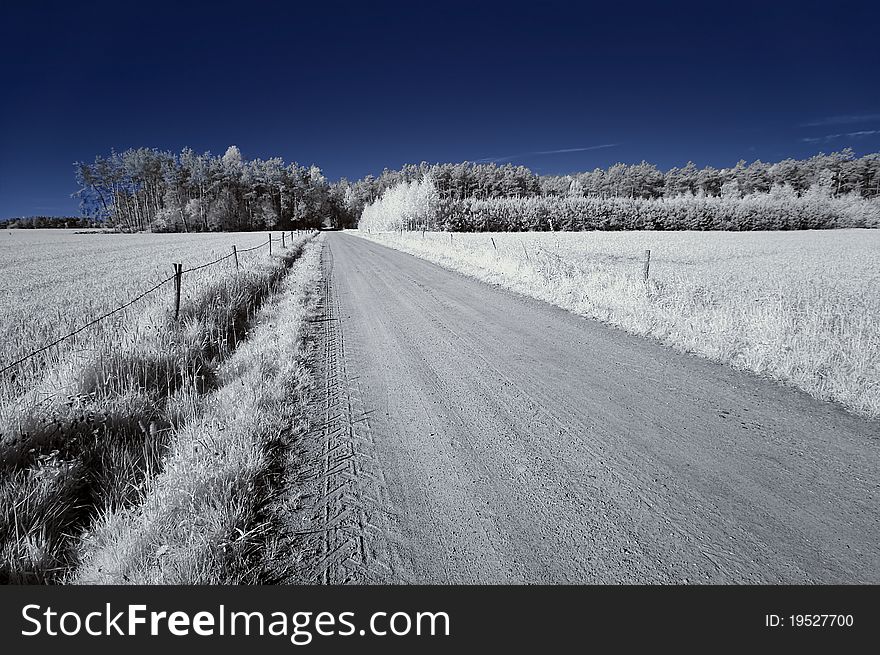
<point>235,254</point>
<point>647,264</point>
<point>270,244</point>
<point>178,276</point>
<point>282,240</point>
<point>492,239</point>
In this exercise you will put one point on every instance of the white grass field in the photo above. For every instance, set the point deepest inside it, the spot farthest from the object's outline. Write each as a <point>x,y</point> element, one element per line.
<point>53,281</point>
<point>798,306</point>
<point>216,472</point>
<point>86,425</point>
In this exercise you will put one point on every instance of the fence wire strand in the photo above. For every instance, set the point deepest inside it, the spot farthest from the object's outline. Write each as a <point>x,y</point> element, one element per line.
<point>83,327</point>
<point>262,245</point>
<point>110,313</point>
<point>216,261</point>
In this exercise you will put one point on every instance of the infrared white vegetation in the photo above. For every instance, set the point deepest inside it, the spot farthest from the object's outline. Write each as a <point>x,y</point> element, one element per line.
<point>86,424</point>
<point>202,520</point>
<point>403,206</point>
<point>54,281</point>
<point>419,204</point>
<point>798,306</point>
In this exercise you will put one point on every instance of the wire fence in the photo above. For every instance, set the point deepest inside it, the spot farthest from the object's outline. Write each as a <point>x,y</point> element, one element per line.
<point>176,278</point>
<point>262,245</point>
<point>200,267</point>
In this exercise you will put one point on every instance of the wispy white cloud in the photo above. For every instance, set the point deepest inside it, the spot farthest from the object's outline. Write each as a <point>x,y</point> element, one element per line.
<point>848,135</point>
<point>848,119</point>
<point>505,158</point>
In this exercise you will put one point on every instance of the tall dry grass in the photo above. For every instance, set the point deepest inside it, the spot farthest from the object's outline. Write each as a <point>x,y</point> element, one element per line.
<point>203,519</point>
<point>54,281</point>
<point>95,419</point>
<point>800,306</point>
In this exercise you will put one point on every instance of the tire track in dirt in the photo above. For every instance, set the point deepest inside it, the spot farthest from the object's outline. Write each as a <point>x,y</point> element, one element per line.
<point>341,524</point>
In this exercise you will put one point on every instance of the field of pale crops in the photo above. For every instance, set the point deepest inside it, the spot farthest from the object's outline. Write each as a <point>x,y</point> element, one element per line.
<point>53,281</point>
<point>85,425</point>
<point>210,516</point>
<point>799,306</point>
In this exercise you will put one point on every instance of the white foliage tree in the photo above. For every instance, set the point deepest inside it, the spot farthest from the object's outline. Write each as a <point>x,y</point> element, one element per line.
<point>405,206</point>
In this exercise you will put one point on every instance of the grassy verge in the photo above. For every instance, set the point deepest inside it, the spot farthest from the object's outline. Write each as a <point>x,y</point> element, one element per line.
<point>204,518</point>
<point>96,428</point>
<point>800,307</point>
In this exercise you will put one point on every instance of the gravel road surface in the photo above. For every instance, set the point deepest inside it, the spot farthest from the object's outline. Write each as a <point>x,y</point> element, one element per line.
<point>471,435</point>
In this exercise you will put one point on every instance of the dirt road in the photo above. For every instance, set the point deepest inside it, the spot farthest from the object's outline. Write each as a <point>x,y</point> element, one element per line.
<point>473,435</point>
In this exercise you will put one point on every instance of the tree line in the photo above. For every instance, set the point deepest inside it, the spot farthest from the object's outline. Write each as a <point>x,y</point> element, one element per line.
<point>40,222</point>
<point>149,189</point>
<point>781,208</point>
<point>837,174</point>
<point>421,205</point>
<point>454,181</point>
<point>840,173</point>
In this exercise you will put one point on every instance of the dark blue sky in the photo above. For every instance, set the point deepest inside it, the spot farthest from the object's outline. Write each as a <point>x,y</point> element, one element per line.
<point>358,87</point>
